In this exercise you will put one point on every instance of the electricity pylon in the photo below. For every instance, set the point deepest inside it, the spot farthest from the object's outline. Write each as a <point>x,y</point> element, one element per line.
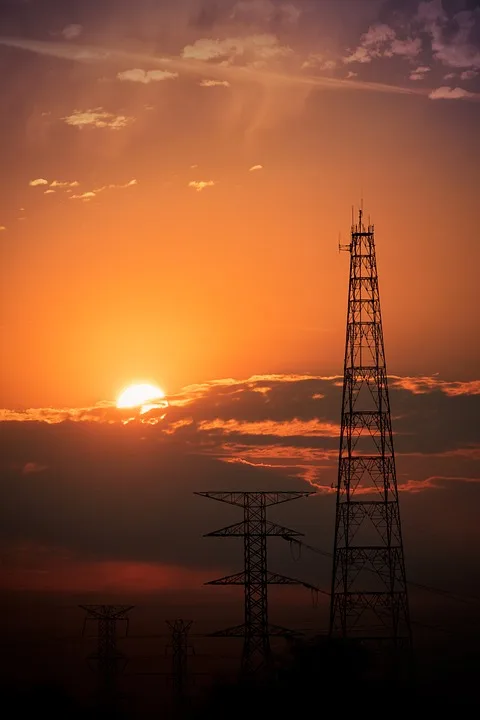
<point>180,650</point>
<point>107,659</point>
<point>255,578</point>
<point>369,593</point>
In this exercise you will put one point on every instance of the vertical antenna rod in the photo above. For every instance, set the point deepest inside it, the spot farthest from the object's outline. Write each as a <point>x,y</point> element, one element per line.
<point>369,594</point>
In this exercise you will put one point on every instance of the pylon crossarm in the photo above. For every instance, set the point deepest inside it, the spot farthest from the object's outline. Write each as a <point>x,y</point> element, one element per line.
<point>116,612</point>
<point>270,529</point>
<point>236,631</point>
<point>237,579</point>
<point>268,497</point>
<point>277,579</point>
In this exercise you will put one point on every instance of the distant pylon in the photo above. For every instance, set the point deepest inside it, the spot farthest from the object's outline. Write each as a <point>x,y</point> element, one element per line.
<point>369,593</point>
<point>255,529</point>
<point>107,659</point>
<point>180,650</point>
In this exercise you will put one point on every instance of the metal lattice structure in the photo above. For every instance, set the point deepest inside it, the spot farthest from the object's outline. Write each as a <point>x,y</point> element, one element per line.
<point>107,659</point>
<point>369,593</point>
<point>180,649</point>
<point>255,578</point>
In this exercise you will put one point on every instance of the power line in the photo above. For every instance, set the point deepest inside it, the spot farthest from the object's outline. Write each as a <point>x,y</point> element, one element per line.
<point>412,583</point>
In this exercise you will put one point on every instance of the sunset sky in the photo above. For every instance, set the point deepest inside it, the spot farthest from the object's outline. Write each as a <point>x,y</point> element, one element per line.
<point>176,177</point>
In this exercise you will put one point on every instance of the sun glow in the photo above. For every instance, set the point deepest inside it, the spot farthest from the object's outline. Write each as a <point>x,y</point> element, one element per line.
<point>143,396</point>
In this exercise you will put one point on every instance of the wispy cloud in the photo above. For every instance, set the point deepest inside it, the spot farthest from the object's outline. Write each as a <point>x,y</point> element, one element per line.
<point>218,70</point>
<point>452,39</point>
<point>318,61</point>
<point>83,196</point>
<point>200,185</point>
<point>96,191</point>
<point>98,118</point>
<point>427,384</point>
<point>2,228</point>
<point>381,40</point>
<point>72,31</point>
<point>146,76</point>
<point>255,168</point>
<point>56,184</point>
<point>419,73</point>
<point>244,50</point>
<point>64,184</point>
<point>448,93</point>
<point>214,83</point>
<point>434,482</point>
<point>291,428</point>
<point>468,74</point>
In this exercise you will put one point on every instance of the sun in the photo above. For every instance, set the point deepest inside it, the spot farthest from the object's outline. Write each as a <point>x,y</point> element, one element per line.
<point>143,396</point>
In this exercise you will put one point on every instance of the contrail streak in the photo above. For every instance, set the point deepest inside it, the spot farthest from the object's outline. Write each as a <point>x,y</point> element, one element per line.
<point>99,55</point>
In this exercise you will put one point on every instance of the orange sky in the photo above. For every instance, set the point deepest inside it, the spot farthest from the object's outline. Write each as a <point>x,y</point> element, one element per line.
<point>161,281</point>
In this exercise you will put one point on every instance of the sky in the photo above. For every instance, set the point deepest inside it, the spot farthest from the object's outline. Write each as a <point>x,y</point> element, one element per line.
<point>176,178</point>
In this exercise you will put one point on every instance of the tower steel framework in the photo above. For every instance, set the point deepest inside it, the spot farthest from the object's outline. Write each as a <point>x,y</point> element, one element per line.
<point>255,578</point>
<point>369,593</point>
<point>107,659</point>
<point>180,649</point>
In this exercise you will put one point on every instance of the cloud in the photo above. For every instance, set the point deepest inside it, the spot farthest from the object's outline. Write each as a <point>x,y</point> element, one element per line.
<point>237,50</point>
<point>83,196</point>
<point>426,384</point>
<point>448,93</point>
<point>98,118</point>
<point>266,431</point>
<point>318,62</point>
<point>452,39</point>
<point>96,191</point>
<point>2,228</point>
<point>434,482</point>
<point>254,168</point>
<point>54,184</point>
<point>381,40</point>
<point>214,83</point>
<point>200,185</point>
<point>468,74</point>
<point>146,76</point>
<point>223,71</point>
<point>64,467</point>
<point>409,48</point>
<point>72,31</point>
<point>64,184</point>
<point>419,73</point>
<point>351,74</point>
